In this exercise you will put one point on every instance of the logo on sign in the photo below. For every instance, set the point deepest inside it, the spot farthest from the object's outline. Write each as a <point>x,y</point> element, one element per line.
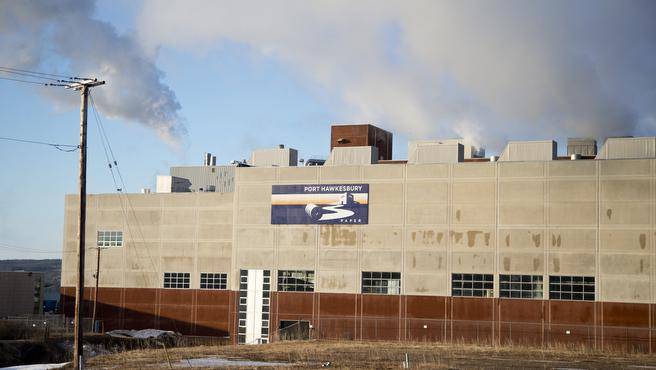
<point>320,204</point>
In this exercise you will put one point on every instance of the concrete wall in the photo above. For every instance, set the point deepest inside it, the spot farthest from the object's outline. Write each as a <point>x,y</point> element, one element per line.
<point>592,218</point>
<point>176,232</point>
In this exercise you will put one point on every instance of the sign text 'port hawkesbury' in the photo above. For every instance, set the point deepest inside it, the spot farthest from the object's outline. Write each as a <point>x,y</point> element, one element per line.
<point>320,204</point>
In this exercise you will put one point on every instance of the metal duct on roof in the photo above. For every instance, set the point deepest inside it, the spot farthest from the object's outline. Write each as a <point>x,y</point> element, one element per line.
<point>278,157</point>
<point>352,156</point>
<point>470,151</point>
<point>628,148</point>
<point>541,150</point>
<point>435,151</point>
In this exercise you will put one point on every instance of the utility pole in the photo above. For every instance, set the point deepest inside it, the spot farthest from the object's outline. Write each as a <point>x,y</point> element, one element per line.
<point>83,86</point>
<point>95,292</point>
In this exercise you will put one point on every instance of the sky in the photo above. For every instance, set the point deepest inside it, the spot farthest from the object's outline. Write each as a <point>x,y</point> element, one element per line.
<point>186,77</point>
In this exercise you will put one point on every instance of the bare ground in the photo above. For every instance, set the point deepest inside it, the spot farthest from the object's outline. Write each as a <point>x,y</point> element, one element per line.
<point>384,355</point>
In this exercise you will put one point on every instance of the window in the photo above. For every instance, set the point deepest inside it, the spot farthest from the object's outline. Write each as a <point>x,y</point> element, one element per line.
<point>295,281</point>
<point>209,280</point>
<point>520,286</point>
<point>176,280</point>
<point>472,285</point>
<point>575,288</point>
<point>110,239</point>
<point>381,282</point>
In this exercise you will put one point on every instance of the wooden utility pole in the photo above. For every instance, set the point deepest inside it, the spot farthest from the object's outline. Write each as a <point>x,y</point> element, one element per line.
<point>95,292</point>
<point>78,352</point>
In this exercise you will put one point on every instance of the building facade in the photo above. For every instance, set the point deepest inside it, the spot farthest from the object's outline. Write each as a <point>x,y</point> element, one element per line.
<point>21,293</point>
<point>535,252</point>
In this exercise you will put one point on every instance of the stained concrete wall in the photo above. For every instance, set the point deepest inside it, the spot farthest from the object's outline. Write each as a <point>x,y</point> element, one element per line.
<point>590,218</point>
<point>176,232</point>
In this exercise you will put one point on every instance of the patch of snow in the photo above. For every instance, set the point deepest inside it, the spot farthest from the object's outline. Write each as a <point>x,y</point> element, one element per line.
<point>218,362</point>
<point>36,366</point>
<point>142,334</point>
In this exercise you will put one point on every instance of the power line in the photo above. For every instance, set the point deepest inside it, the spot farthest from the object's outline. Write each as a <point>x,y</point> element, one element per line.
<point>31,75</point>
<point>25,81</point>
<point>41,78</point>
<point>68,84</point>
<point>103,138</point>
<point>84,86</point>
<point>54,145</point>
<point>43,74</point>
<point>126,209</point>
<point>23,249</point>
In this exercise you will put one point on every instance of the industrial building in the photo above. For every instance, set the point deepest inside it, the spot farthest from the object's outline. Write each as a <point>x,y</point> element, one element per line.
<point>21,293</point>
<point>527,247</point>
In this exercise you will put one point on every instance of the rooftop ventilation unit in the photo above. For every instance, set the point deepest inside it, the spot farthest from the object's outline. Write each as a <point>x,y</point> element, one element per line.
<point>435,151</point>
<point>628,148</point>
<point>522,151</point>
<point>352,156</point>
<point>276,157</point>
<point>315,162</point>
<point>584,147</point>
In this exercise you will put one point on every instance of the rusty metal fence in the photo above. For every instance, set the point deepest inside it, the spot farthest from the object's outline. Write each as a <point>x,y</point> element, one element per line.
<point>627,339</point>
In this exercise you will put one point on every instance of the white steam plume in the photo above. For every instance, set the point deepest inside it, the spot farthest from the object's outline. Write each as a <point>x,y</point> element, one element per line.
<point>45,35</point>
<point>486,70</point>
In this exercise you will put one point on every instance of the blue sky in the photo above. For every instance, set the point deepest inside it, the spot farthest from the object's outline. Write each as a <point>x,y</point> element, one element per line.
<point>237,76</point>
<point>232,103</point>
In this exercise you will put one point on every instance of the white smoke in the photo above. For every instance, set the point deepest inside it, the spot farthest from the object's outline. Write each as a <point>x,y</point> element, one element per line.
<point>44,35</point>
<point>486,70</point>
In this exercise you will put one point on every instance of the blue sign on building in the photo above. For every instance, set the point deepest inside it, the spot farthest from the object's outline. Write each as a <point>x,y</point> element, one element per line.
<point>320,204</point>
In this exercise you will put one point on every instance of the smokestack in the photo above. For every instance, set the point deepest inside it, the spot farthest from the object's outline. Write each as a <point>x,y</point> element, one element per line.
<point>213,160</point>
<point>207,159</point>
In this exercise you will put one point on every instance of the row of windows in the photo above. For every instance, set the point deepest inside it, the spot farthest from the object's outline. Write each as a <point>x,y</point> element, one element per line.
<point>579,288</point>
<point>288,281</point>
<point>208,280</point>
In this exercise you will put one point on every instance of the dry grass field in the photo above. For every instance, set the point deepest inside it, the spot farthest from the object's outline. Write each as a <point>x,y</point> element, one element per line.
<point>380,355</point>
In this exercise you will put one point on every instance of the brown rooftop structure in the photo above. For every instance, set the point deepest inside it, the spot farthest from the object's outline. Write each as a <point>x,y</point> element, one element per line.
<point>362,135</point>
